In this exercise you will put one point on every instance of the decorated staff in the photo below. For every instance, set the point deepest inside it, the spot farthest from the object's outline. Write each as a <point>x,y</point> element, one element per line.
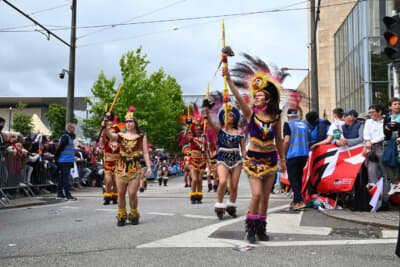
<point>226,51</point>
<point>108,114</point>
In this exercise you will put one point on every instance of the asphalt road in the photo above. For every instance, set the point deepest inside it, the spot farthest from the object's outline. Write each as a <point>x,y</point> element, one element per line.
<point>173,232</point>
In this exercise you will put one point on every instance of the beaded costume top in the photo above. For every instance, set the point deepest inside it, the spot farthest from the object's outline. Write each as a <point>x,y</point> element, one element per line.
<point>130,148</point>
<point>262,133</point>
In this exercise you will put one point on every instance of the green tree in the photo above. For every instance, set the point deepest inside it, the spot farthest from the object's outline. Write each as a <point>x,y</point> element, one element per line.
<point>56,118</point>
<point>22,122</point>
<point>157,99</point>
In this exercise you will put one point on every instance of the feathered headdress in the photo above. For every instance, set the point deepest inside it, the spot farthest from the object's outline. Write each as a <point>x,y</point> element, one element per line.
<point>254,75</point>
<point>217,113</point>
<point>129,114</point>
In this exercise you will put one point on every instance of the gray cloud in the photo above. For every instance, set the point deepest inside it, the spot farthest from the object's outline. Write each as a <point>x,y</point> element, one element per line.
<point>29,64</point>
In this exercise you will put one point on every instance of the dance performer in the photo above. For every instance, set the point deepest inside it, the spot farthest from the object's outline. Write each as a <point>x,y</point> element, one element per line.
<point>128,169</point>
<point>264,125</point>
<point>163,170</point>
<point>111,157</point>
<point>212,167</point>
<point>229,164</point>
<point>186,169</point>
<point>198,158</point>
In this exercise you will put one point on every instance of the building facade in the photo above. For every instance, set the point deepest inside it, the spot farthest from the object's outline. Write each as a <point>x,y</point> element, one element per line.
<point>352,70</point>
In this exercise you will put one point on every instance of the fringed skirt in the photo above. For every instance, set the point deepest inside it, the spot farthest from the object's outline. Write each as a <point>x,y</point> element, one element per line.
<point>260,164</point>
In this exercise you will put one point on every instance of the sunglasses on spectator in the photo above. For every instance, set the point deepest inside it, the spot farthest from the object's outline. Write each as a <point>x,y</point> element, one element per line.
<point>129,121</point>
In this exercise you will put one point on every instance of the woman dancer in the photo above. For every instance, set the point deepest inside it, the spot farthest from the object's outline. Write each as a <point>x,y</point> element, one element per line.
<point>111,157</point>
<point>128,169</point>
<point>212,167</point>
<point>229,161</point>
<point>198,160</point>
<point>186,168</point>
<point>264,125</point>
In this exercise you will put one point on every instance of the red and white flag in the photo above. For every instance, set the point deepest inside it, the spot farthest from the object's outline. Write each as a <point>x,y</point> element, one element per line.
<point>331,169</point>
<point>376,193</point>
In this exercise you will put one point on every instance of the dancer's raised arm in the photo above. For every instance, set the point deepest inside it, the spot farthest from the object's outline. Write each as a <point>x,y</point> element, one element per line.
<point>247,112</point>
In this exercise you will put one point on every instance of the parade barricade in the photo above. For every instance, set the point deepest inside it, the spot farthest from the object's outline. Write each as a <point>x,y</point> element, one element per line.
<point>331,170</point>
<point>14,175</point>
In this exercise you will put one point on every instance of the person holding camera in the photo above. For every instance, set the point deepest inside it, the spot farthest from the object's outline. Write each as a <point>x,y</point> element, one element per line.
<point>391,130</point>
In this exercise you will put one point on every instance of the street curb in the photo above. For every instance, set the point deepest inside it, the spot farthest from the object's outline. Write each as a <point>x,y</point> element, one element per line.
<point>360,221</point>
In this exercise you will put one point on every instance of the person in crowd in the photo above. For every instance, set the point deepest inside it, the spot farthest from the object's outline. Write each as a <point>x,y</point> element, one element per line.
<point>264,126</point>
<point>32,161</point>
<point>353,130</point>
<point>65,156</point>
<point>3,147</point>
<point>317,127</point>
<point>295,146</point>
<point>229,161</point>
<point>374,147</point>
<point>186,169</point>
<point>335,129</point>
<point>48,153</point>
<point>128,169</point>
<point>391,131</point>
<point>363,117</point>
<point>111,158</point>
<point>82,160</point>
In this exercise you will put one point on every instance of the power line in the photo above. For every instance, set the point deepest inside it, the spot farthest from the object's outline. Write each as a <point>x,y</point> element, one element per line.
<point>47,9</point>
<point>140,16</point>
<point>167,30</point>
<point>203,17</point>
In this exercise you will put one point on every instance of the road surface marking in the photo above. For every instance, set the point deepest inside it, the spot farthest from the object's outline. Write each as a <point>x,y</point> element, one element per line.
<point>200,237</point>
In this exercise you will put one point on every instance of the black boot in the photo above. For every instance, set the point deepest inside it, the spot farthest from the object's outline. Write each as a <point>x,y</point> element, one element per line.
<point>134,218</point>
<point>231,211</point>
<point>215,187</point>
<point>165,182</point>
<point>141,190</point>
<point>121,218</point>
<point>210,187</point>
<point>115,201</point>
<point>107,201</point>
<point>261,230</point>
<point>251,230</point>
<point>219,209</point>
<point>159,181</point>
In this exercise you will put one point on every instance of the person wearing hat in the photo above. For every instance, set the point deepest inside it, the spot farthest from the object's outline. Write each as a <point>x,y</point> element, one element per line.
<point>229,162</point>
<point>335,130</point>
<point>295,146</point>
<point>363,117</point>
<point>353,130</point>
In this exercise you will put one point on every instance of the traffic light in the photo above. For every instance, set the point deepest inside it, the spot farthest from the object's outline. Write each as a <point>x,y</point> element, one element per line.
<point>392,37</point>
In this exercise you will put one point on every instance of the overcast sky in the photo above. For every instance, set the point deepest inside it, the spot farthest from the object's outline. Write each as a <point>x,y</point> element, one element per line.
<point>187,50</point>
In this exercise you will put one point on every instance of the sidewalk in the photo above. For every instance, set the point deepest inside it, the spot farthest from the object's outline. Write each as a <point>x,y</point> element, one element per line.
<point>387,219</point>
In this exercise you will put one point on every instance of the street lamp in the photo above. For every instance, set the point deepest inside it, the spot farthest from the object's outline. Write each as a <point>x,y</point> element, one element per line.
<point>9,118</point>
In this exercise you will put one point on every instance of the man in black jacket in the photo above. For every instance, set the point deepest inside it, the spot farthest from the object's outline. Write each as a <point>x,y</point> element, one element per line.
<point>65,156</point>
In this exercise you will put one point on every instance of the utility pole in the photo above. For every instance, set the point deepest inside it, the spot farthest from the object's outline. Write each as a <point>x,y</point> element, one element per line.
<point>314,66</point>
<point>71,71</point>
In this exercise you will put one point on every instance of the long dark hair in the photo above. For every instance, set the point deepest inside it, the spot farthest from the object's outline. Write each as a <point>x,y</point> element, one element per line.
<point>272,106</point>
